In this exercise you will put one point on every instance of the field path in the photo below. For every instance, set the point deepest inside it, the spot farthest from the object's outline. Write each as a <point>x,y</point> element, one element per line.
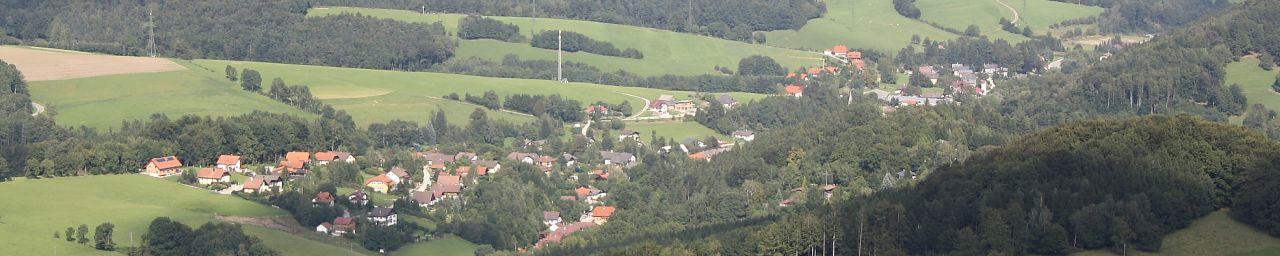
<point>38,108</point>
<point>1016,17</point>
<point>642,109</point>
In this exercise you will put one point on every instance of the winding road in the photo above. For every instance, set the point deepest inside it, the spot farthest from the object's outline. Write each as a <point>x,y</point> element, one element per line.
<point>1016,17</point>
<point>38,108</point>
<point>643,109</point>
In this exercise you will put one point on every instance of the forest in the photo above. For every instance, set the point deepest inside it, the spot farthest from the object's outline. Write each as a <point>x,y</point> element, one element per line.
<point>734,20</point>
<point>1138,16</point>
<point>476,27</point>
<point>572,42</point>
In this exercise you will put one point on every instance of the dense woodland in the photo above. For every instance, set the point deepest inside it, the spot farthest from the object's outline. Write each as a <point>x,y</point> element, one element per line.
<point>571,41</point>
<point>477,27</point>
<point>1139,16</point>
<point>734,20</point>
<point>198,29</point>
<point>512,66</point>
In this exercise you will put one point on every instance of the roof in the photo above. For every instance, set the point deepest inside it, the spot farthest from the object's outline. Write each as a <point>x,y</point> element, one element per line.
<point>519,156</point>
<point>359,195</point>
<point>228,159</point>
<point>447,184</point>
<point>814,71</point>
<point>381,212</point>
<point>343,221</point>
<point>545,159</point>
<point>253,183</point>
<point>601,174</point>
<point>324,197</point>
<point>168,162</point>
<point>550,215</point>
<point>326,225</point>
<point>399,172</point>
<point>298,156</point>
<point>585,191</point>
<point>743,133</point>
<point>855,55</point>
<point>794,89</point>
<point>829,187</point>
<point>326,156</point>
<point>487,163</point>
<point>436,157</point>
<point>726,99</point>
<point>628,132</point>
<point>422,196</point>
<point>481,170</point>
<point>210,173</point>
<point>617,157</point>
<point>603,211</point>
<point>840,49</point>
<point>380,178</point>
<point>292,164</point>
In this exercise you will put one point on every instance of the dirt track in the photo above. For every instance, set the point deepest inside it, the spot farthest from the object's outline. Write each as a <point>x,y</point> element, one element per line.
<point>53,64</point>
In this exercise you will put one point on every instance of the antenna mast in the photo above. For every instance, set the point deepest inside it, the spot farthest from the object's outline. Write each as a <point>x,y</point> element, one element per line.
<point>151,35</point>
<point>559,56</point>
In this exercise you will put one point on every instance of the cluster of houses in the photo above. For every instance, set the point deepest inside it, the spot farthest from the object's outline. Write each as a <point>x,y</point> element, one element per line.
<point>967,79</point>
<point>598,214</point>
<point>666,106</point>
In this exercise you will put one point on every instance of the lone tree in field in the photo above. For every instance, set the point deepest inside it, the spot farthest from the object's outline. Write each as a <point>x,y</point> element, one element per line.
<point>70,234</point>
<point>1275,86</point>
<point>82,234</point>
<point>231,73</point>
<point>250,80</point>
<point>102,237</point>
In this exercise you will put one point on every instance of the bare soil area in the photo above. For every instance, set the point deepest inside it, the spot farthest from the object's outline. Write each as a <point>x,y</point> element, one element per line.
<point>52,64</point>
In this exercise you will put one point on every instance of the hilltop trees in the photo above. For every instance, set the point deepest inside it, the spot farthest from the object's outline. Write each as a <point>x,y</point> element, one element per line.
<point>572,42</point>
<point>231,73</point>
<point>757,65</point>
<point>102,237</point>
<point>477,27</point>
<point>907,8</point>
<point>250,80</point>
<point>166,237</point>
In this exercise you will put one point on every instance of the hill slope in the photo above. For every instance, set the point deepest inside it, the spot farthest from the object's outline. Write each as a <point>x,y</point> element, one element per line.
<point>665,52</point>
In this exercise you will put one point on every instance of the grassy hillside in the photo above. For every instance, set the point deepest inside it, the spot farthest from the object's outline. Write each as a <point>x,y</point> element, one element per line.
<point>1255,81</point>
<point>665,52</point>
<point>448,246</point>
<point>102,102</point>
<point>380,96</point>
<point>986,14</point>
<point>674,130</point>
<point>1215,234</point>
<point>37,208</point>
<point>859,24</point>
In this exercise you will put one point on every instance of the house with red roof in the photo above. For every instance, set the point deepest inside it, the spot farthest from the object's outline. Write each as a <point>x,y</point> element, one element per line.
<point>304,157</point>
<point>163,166</point>
<point>323,158</point>
<point>292,168</point>
<point>794,90</point>
<point>601,214</point>
<point>380,183</point>
<point>208,176</point>
<point>323,198</point>
<point>230,163</point>
<point>343,225</point>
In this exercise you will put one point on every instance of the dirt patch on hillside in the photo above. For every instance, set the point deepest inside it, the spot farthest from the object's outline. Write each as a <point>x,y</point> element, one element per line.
<point>46,65</point>
<point>282,223</point>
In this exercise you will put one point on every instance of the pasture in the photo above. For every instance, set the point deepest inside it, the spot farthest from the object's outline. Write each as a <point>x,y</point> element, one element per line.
<point>380,96</point>
<point>1255,81</point>
<point>665,52</point>
<point>40,207</point>
<point>449,245</point>
<point>869,24</point>
<point>672,130</point>
<point>44,64</point>
<point>1215,234</point>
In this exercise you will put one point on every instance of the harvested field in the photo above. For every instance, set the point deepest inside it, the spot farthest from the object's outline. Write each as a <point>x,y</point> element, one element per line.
<point>48,65</point>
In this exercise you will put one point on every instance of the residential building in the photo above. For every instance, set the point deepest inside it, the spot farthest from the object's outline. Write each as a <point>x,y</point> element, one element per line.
<point>163,166</point>
<point>382,216</point>
<point>230,163</point>
<point>208,176</point>
<point>618,158</point>
<point>745,135</point>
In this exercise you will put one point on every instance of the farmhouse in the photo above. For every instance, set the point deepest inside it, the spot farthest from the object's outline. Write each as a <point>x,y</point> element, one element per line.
<point>293,168</point>
<point>492,165</point>
<point>745,135</point>
<point>569,159</point>
<point>551,219</point>
<point>727,101</point>
<point>163,166</point>
<point>343,225</point>
<point>618,158</point>
<point>382,216</point>
<point>794,90</point>
<point>304,157</point>
<point>256,184</point>
<point>562,232</point>
<point>324,228</point>
<point>546,162</point>
<point>399,175</point>
<point>592,109</point>
<point>522,157</point>
<point>928,72</point>
<point>663,103</point>
<point>208,176</point>
<point>381,183</point>
<point>446,186</point>
<point>601,214</point>
<point>323,158</point>
<point>706,155</point>
<point>437,158</point>
<point>467,157</point>
<point>628,134</point>
<point>323,198</point>
<point>358,198</point>
<point>230,163</point>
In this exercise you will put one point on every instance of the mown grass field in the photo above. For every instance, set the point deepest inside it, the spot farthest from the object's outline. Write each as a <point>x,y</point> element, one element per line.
<point>869,24</point>
<point>38,208</point>
<point>1255,81</point>
<point>959,15</point>
<point>103,102</point>
<point>380,96</point>
<point>1216,234</point>
<point>450,245</point>
<point>665,52</point>
<point>673,130</point>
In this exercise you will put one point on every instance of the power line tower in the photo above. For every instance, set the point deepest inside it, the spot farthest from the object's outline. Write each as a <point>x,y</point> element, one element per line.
<point>151,35</point>
<point>559,56</point>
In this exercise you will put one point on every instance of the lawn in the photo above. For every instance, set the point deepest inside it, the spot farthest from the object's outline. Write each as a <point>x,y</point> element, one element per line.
<point>959,15</point>
<point>289,244</point>
<point>103,102</point>
<point>869,24</point>
<point>449,245</point>
<point>665,52</point>
<point>1216,234</point>
<point>38,208</point>
<point>672,130</point>
<point>1255,81</point>
<point>380,96</point>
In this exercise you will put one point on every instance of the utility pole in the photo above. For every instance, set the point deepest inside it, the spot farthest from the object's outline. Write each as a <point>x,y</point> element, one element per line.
<point>151,35</point>
<point>559,56</point>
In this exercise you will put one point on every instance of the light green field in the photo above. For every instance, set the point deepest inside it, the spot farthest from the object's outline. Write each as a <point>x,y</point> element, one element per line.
<point>1040,14</point>
<point>450,245</point>
<point>289,244</point>
<point>665,52</point>
<point>1255,81</point>
<point>103,102</point>
<point>37,208</point>
<point>986,14</point>
<point>1216,234</point>
<point>380,96</point>
<point>859,24</point>
<point>672,130</point>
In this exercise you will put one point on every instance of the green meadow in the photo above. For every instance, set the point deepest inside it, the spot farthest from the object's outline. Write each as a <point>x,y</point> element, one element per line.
<point>1216,234</point>
<point>449,245</point>
<point>103,102</point>
<point>40,207</point>
<point>665,52</point>
<point>1255,81</point>
<point>986,14</point>
<point>380,96</point>
<point>673,130</point>
<point>869,24</point>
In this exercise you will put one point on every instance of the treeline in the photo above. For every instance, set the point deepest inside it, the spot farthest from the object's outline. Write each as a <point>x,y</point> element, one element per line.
<point>19,130</point>
<point>512,66</point>
<point>202,29</point>
<point>555,106</point>
<point>476,27</point>
<point>168,237</point>
<point>572,42</point>
<point>297,95</point>
<point>734,20</point>
<point>1136,16</point>
<point>907,8</point>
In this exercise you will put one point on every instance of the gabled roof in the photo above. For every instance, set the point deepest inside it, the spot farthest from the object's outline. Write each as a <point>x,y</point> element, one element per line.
<point>324,197</point>
<point>298,156</point>
<point>545,159</point>
<point>343,221</point>
<point>422,197</point>
<point>855,55</point>
<point>519,156</point>
<point>292,164</point>
<point>381,212</point>
<point>726,99</point>
<point>840,49</point>
<point>603,211</point>
<point>743,133</point>
<point>550,215</point>
<point>211,173</point>
<point>168,162</point>
<point>583,192</point>
<point>253,183</point>
<point>228,159</point>
<point>399,172</point>
<point>628,132</point>
<point>326,156</point>
<point>436,157</point>
<point>794,89</point>
<point>487,163</point>
<point>380,178</point>
<point>617,157</point>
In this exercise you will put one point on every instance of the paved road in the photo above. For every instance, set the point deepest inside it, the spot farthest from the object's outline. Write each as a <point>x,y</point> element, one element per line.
<point>636,115</point>
<point>38,108</point>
